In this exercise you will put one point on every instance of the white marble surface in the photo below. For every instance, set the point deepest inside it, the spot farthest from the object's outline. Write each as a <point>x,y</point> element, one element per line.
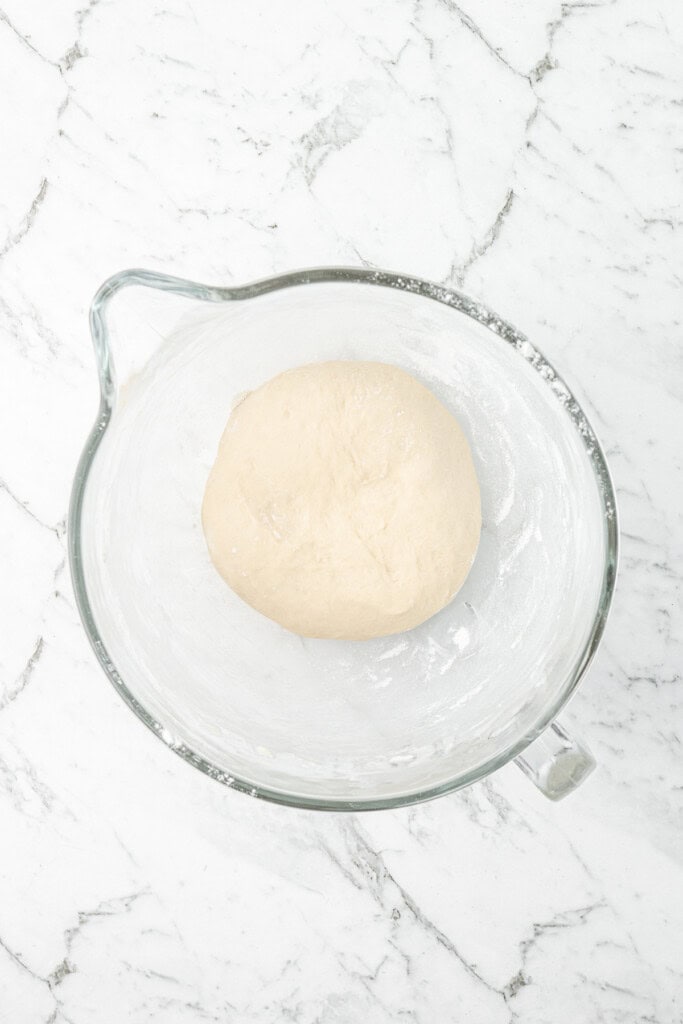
<point>531,152</point>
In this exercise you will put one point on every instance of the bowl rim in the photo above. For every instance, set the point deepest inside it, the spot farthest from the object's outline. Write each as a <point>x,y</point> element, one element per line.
<point>328,275</point>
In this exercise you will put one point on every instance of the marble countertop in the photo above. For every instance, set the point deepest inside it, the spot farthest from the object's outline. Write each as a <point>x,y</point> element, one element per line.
<point>530,153</point>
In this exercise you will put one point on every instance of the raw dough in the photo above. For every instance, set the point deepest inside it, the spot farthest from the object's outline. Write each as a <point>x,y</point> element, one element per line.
<point>343,501</point>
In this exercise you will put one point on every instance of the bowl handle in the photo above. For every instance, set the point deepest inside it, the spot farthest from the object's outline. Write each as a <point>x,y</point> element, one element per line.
<point>556,762</point>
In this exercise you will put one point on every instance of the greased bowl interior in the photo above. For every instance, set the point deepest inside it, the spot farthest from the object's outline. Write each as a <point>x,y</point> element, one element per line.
<point>330,723</point>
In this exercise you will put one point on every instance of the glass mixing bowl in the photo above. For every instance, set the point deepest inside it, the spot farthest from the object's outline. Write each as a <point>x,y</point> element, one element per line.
<point>338,724</point>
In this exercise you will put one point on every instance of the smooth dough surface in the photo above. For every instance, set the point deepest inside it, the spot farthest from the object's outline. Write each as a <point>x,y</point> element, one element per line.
<point>343,502</point>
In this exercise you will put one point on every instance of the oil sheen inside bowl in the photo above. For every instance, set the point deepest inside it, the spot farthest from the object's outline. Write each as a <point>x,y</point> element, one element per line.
<point>325,722</point>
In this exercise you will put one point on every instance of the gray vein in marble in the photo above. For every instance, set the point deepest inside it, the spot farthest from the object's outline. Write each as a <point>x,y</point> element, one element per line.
<point>82,16</point>
<point>519,981</point>
<point>18,960</point>
<point>72,55</point>
<point>165,58</point>
<point>332,133</point>
<point>535,76</point>
<point>25,677</point>
<point>417,27</point>
<point>52,342</point>
<point>106,908</point>
<point>27,221</point>
<point>361,259</point>
<point>503,811</point>
<point>548,63</point>
<point>472,26</point>
<point>20,781</point>
<point>66,966</point>
<point>24,40</point>
<point>480,248</point>
<point>372,867</point>
<point>59,527</point>
<point>450,152</point>
<point>389,64</point>
<point>562,920</point>
<point>565,919</point>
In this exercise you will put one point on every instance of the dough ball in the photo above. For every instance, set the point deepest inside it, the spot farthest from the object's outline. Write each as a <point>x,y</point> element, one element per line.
<point>343,501</point>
